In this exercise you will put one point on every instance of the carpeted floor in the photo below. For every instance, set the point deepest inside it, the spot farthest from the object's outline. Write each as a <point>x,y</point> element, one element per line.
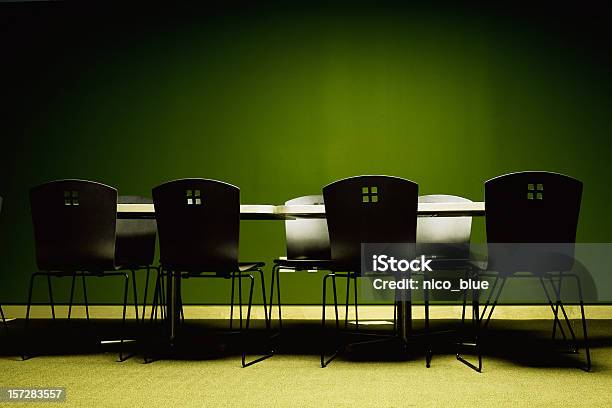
<point>522,367</point>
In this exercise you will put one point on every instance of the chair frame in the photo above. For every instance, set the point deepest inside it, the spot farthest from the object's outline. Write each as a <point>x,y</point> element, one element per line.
<point>338,270</point>
<point>170,272</point>
<point>304,262</point>
<point>553,277</point>
<point>73,273</point>
<point>133,268</point>
<point>448,259</point>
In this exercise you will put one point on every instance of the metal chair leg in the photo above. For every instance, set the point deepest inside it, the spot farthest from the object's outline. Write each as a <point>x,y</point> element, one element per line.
<point>154,308</point>
<point>476,319</point>
<point>346,310</point>
<point>335,301</point>
<point>135,294</point>
<point>71,295</point>
<point>356,306</point>
<point>162,295</point>
<point>557,292</point>
<point>27,316</point>
<point>324,303</point>
<point>86,301</point>
<point>4,323</point>
<point>465,292</point>
<point>501,287</point>
<point>182,311</point>
<point>271,311</point>
<point>477,336</point>
<point>428,350</point>
<point>584,323</point>
<point>275,277</point>
<point>488,302</point>
<point>263,296</point>
<point>85,296</point>
<point>144,300</point>
<point>567,322</point>
<point>125,299</point>
<point>51,296</point>
<point>559,305</point>
<point>394,319</point>
<point>554,310</point>
<point>240,298</point>
<point>154,304</point>
<point>325,362</point>
<point>248,316</point>
<point>278,299</point>
<point>231,323</point>
<point>244,334</point>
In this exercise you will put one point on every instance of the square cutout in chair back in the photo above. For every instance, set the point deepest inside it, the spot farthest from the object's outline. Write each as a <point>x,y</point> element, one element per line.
<point>194,197</point>
<point>71,198</point>
<point>369,194</point>
<point>535,191</point>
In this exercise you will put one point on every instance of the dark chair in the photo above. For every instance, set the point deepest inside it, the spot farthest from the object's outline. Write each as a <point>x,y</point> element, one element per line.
<point>531,224</point>
<point>198,223</point>
<point>135,247</point>
<point>446,242</point>
<point>4,323</point>
<point>308,247</point>
<point>365,209</point>
<point>74,231</point>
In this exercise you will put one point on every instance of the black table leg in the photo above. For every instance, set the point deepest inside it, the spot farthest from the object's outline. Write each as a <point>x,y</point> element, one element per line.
<point>174,308</point>
<point>403,304</point>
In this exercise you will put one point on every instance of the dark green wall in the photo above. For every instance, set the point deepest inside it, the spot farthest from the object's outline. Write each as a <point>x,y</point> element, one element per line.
<point>281,101</point>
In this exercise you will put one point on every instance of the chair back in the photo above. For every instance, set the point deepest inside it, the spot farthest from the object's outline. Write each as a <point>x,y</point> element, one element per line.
<point>74,225</point>
<point>368,209</point>
<point>527,208</point>
<point>198,222</point>
<point>135,246</point>
<point>307,238</point>
<point>444,237</point>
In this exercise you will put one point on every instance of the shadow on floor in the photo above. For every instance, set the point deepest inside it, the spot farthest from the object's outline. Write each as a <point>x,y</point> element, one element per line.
<point>523,342</point>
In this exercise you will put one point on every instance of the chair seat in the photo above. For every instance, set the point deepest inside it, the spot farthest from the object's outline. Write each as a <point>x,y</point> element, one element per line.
<point>302,264</point>
<point>90,272</point>
<point>242,267</point>
<point>249,266</point>
<point>129,266</point>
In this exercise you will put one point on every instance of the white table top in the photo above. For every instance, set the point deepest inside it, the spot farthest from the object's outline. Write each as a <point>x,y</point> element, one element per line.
<point>283,212</point>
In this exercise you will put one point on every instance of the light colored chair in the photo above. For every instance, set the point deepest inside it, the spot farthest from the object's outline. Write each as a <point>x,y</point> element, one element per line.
<point>307,242</point>
<point>446,241</point>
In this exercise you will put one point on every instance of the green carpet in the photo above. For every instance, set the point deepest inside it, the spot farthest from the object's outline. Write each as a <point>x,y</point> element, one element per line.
<point>512,376</point>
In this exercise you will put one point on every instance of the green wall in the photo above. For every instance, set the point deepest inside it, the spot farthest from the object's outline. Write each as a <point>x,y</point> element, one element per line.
<point>281,101</point>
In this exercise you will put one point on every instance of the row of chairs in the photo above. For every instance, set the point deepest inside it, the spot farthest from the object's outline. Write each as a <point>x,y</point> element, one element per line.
<point>78,235</point>
<point>521,216</point>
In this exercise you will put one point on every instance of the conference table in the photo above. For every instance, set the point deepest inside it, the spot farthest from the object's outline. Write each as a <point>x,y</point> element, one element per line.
<point>289,212</point>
